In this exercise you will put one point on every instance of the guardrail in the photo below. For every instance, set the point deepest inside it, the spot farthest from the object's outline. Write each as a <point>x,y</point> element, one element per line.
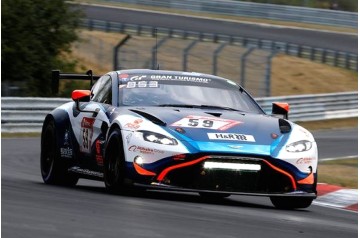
<point>27,114</point>
<point>256,10</point>
<point>335,58</point>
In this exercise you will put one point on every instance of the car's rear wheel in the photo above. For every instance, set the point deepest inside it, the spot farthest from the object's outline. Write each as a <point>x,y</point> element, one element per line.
<point>291,202</point>
<point>114,164</point>
<point>53,169</point>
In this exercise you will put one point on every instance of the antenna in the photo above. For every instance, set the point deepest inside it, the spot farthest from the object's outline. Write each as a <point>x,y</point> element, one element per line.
<point>155,66</point>
<point>156,46</point>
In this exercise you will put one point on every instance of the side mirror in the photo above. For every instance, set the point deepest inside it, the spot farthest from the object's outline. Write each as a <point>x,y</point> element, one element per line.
<point>83,96</point>
<point>280,109</point>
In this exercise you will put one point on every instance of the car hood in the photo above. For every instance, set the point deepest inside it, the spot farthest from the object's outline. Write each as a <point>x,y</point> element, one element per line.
<point>220,130</point>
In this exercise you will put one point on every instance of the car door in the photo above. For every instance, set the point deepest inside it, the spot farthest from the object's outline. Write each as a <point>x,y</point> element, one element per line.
<point>89,123</point>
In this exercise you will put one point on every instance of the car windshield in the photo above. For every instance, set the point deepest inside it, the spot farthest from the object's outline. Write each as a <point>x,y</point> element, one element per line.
<point>184,91</point>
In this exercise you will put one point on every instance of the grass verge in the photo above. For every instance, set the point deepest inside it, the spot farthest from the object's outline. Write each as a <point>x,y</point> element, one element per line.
<point>330,124</point>
<point>342,172</point>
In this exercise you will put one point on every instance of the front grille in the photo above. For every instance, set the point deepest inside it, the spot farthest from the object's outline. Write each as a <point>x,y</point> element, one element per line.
<point>265,180</point>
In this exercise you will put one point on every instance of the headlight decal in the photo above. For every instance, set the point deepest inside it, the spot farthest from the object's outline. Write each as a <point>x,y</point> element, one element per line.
<point>299,146</point>
<point>157,138</point>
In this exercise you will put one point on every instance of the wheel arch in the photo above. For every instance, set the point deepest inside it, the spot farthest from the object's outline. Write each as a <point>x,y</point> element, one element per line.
<point>61,121</point>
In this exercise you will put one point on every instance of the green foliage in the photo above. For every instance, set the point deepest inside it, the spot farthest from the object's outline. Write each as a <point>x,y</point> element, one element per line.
<point>34,34</point>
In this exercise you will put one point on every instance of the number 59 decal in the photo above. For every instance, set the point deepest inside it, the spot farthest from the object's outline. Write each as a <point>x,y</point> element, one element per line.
<point>86,133</point>
<point>206,122</point>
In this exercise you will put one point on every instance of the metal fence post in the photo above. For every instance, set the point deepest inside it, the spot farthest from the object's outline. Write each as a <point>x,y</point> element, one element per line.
<point>215,56</point>
<point>154,52</point>
<point>268,73</point>
<point>116,51</point>
<point>242,65</point>
<point>186,51</point>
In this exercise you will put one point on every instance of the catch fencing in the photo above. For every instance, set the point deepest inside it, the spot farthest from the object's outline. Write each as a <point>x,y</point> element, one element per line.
<point>341,59</point>
<point>27,114</point>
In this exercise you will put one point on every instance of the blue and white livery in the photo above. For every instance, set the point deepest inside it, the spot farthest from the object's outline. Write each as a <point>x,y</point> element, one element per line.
<point>178,131</point>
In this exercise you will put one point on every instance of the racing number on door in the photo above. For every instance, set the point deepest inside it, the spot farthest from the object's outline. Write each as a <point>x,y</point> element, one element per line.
<point>86,133</point>
<point>85,138</point>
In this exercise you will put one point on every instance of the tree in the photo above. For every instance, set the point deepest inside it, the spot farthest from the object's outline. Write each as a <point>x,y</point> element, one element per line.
<point>34,35</point>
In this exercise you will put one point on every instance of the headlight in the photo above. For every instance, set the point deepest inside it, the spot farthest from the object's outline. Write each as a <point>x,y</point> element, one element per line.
<point>157,138</point>
<point>299,146</point>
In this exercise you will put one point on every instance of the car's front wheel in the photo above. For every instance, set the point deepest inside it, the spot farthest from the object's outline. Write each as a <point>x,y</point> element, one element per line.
<point>114,164</point>
<point>53,169</point>
<point>291,202</point>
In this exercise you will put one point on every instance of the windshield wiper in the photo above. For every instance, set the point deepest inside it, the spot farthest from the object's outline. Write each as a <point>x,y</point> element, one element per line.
<point>218,107</point>
<point>198,106</point>
<point>177,105</point>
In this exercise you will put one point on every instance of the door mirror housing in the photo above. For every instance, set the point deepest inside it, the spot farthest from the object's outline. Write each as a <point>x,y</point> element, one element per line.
<point>83,96</point>
<point>280,110</point>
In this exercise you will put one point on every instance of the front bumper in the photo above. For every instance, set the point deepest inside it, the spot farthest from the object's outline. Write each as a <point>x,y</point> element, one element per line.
<point>267,179</point>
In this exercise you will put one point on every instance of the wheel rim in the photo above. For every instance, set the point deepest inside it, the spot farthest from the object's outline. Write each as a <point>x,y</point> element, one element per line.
<point>113,165</point>
<point>47,159</point>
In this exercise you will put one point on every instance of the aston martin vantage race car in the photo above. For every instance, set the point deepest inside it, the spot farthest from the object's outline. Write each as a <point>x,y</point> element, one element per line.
<point>180,131</point>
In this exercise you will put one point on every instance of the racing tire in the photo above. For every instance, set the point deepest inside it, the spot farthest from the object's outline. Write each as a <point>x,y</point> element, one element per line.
<point>290,203</point>
<point>114,164</point>
<point>208,195</point>
<point>53,170</point>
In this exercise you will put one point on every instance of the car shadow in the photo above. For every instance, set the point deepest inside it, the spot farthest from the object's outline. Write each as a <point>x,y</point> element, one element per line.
<point>187,197</point>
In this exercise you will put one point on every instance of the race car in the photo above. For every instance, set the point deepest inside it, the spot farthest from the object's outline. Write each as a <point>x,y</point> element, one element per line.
<point>177,131</point>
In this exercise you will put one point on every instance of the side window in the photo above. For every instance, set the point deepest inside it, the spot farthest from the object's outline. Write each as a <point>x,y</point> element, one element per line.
<point>101,92</point>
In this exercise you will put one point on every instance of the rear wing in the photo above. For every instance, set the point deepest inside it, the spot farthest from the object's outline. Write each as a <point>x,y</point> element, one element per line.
<point>56,75</point>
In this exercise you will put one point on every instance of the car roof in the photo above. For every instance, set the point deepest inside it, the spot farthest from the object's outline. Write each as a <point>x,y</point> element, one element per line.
<point>169,72</point>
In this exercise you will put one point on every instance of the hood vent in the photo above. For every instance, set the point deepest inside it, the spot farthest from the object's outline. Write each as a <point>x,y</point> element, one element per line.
<point>150,117</point>
<point>215,114</point>
<point>284,126</point>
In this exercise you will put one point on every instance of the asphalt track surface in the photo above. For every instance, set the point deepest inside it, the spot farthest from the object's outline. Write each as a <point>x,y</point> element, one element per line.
<point>32,209</point>
<point>326,40</point>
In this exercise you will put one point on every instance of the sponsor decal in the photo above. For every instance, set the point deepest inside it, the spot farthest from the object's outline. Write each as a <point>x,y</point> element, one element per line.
<point>137,77</point>
<point>231,136</point>
<point>144,150</point>
<point>99,158</point>
<point>206,122</point>
<point>86,133</point>
<point>194,79</point>
<point>134,125</point>
<point>66,152</point>
<point>305,161</point>
<point>142,84</point>
<point>66,138</point>
<point>123,76</point>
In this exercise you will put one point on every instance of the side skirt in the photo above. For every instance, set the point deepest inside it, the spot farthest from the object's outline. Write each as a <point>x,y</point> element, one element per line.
<point>86,173</point>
